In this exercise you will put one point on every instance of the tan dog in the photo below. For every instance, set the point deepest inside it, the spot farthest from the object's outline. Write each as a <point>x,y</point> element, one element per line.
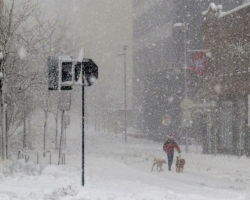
<point>158,163</point>
<point>180,162</point>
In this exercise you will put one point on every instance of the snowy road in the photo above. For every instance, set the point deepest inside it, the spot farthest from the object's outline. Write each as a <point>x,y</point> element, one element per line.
<point>118,170</point>
<point>151,185</point>
<point>204,177</point>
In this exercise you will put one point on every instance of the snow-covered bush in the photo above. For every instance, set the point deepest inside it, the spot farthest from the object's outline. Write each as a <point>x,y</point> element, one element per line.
<point>9,168</point>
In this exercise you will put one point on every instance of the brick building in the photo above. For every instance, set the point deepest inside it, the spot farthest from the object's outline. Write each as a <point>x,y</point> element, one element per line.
<point>227,36</point>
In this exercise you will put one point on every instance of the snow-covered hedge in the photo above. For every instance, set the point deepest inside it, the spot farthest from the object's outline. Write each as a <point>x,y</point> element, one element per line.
<point>9,168</point>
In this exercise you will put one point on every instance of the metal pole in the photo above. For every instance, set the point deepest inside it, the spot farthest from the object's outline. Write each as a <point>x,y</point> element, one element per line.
<point>185,78</point>
<point>60,145</point>
<point>37,157</point>
<point>65,144</point>
<point>82,135</point>
<point>240,144</point>
<point>215,141</point>
<point>209,132</point>
<point>7,139</point>
<point>95,118</point>
<point>125,91</point>
<point>185,54</point>
<point>186,140</point>
<point>44,139</point>
<point>57,114</point>
<point>49,157</point>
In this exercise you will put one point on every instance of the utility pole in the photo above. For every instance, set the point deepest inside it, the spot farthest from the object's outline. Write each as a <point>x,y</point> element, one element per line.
<point>184,29</point>
<point>125,90</point>
<point>185,71</point>
<point>83,135</point>
<point>61,138</point>
<point>185,57</point>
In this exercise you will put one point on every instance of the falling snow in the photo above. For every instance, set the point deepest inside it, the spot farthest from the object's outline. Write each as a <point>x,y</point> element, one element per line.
<point>148,86</point>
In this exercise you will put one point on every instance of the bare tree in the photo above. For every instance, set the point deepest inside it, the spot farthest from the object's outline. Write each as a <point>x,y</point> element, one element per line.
<point>12,67</point>
<point>26,39</point>
<point>58,41</point>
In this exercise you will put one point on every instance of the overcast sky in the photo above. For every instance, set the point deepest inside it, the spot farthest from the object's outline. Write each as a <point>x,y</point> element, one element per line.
<point>104,26</point>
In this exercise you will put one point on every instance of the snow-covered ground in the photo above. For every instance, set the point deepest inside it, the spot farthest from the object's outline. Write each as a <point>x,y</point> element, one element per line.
<point>119,170</point>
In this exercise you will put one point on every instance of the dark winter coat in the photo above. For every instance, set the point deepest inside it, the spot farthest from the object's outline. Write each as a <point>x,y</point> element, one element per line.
<point>169,146</point>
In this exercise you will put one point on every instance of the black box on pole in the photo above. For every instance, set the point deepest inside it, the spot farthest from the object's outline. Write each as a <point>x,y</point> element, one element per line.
<point>53,72</point>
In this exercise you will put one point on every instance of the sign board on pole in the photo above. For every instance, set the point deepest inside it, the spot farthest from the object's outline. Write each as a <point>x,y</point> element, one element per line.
<point>53,72</point>
<point>166,120</point>
<point>186,103</point>
<point>64,100</point>
<point>90,72</point>
<point>186,119</point>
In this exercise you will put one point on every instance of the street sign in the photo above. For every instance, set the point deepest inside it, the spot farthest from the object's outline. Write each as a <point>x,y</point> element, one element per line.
<point>67,75</point>
<point>53,72</point>
<point>90,74</point>
<point>186,119</point>
<point>186,103</point>
<point>166,120</point>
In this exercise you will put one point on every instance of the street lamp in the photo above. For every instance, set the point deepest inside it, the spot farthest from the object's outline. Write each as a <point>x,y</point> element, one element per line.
<point>125,90</point>
<point>184,28</point>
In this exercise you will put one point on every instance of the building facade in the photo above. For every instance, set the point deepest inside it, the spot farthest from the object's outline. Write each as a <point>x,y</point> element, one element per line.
<point>226,35</point>
<point>152,61</point>
<point>159,62</point>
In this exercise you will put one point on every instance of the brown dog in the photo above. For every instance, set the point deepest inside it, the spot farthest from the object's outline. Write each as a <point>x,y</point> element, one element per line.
<point>180,162</point>
<point>158,163</point>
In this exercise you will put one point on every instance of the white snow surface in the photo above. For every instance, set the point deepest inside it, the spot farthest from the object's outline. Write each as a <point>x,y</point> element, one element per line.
<point>119,170</point>
<point>81,55</point>
<point>234,10</point>
<point>221,14</point>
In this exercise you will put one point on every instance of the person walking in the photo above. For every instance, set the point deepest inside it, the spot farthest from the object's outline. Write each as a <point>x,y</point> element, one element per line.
<point>168,147</point>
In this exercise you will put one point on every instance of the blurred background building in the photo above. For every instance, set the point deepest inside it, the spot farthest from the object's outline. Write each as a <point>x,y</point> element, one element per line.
<point>226,34</point>
<point>159,60</point>
<point>153,50</point>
